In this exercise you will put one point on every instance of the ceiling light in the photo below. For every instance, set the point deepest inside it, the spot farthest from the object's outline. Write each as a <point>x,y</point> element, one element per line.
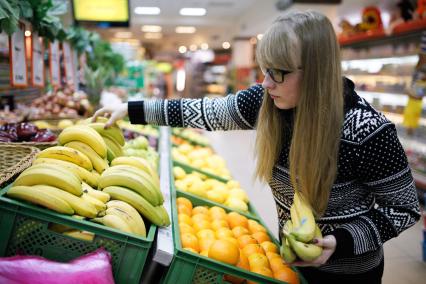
<point>226,45</point>
<point>153,35</point>
<point>193,47</point>
<point>151,29</point>
<point>147,10</point>
<point>123,34</point>
<point>27,33</point>
<point>259,36</point>
<point>204,46</point>
<point>192,11</point>
<point>185,30</point>
<point>182,49</point>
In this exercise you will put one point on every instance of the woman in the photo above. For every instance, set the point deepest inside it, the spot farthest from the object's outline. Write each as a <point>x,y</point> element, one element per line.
<point>312,125</point>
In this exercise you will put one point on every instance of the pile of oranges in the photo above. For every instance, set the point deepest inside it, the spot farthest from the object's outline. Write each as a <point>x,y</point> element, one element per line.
<point>231,238</point>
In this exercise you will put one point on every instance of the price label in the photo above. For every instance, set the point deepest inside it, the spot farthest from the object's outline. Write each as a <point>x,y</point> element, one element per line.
<point>18,58</point>
<point>55,73</point>
<point>37,60</point>
<point>68,63</point>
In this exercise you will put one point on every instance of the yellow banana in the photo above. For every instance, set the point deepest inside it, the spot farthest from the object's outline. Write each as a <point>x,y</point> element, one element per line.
<point>139,163</point>
<point>81,235</point>
<point>79,205</point>
<point>134,221</point>
<point>306,252</point>
<point>137,201</point>
<point>81,172</point>
<point>99,164</point>
<point>113,221</point>
<point>101,196</point>
<point>67,154</point>
<point>45,174</point>
<point>294,216</point>
<point>37,196</point>
<point>306,230</point>
<point>113,132</point>
<point>164,215</point>
<point>85,134</point>
<point>113,146</point>
<point>99,205</point>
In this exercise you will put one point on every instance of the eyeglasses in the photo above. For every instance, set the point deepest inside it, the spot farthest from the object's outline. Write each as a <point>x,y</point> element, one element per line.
<point>277,75</point>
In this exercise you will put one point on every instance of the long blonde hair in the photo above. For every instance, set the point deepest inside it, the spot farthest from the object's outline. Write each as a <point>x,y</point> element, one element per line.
<point>308,39</point>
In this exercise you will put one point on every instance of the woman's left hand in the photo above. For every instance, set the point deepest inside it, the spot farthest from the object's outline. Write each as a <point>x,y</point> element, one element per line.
<point>328,243</point>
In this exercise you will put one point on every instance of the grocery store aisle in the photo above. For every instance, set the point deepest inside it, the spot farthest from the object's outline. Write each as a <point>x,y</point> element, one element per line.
<point>403,255</point>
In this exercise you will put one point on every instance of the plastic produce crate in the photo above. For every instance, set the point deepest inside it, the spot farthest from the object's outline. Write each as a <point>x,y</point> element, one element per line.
<point>25,230</point>
<point>188,267</point>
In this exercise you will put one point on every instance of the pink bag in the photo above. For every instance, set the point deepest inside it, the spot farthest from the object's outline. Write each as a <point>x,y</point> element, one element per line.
<point>92,268</point>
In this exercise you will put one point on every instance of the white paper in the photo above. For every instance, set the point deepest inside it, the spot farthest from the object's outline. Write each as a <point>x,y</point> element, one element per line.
<point>18,59</point>
<point>55,73</point>
<point>37,61</point>
<point>68,59</point>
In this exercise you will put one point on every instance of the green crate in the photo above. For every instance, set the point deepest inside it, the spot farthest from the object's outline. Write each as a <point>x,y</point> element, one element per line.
<point>24,230</point>
<point>190,169</point>
<point>188,267</point>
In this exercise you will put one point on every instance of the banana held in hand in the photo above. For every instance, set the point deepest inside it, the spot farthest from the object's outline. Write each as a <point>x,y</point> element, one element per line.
<point>85,134</point>
<point>286,251</point>
<point>306,230</point>
<point>306,252</point>
<point>67,154</point>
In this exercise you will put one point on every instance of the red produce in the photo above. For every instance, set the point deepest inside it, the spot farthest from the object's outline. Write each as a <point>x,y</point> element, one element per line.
<point>44,135</point>
<point>26,130</point>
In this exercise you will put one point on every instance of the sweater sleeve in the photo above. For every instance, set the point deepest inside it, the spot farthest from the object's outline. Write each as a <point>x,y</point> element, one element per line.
<point>383,169</point>
<point>232,112</point>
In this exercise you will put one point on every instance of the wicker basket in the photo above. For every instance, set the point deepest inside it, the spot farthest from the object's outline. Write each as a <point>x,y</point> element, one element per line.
<point>13,160</point>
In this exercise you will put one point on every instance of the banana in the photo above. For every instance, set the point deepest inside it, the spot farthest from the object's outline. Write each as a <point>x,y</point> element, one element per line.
<point>81,235</point>
<point>37,196</point>
<point>99,164</point>
<point>44,174</point>
<point>164,215</point>
<point>137,201</point>
<point>86,176</point>
<point>85,134</point>
<point>139,163</point>
<point>113,132</point>
<point>113,147</point>
<point>78,204</point>
<point>67,154</point>
<point>101,196</point>
<point>294,216</point>
<point>99,205</point>
<point>134,220</point>
<point>130,210</point>
<point>306,230</point>
<point>131,181</point>
<point>113,221</point>
<point>286,251</point>
<point>306,252</point>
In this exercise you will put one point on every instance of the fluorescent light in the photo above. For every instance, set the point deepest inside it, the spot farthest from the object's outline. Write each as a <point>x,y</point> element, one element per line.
<point>259,36</point>
<point>193,47</point>
<point>123,34</point>
<point>204,46</point>
<point>27,33</point>
<point>180,80</point>
<point>151,29</point>
<point>192,11</point>
<point>182,49</point>
<point>226,45</point>
<point>185,30</point>
<point>153,35</point>
<point>147,10</point>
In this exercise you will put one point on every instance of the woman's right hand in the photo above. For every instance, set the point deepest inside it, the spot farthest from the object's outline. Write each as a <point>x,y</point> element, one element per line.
<point>113,112</point>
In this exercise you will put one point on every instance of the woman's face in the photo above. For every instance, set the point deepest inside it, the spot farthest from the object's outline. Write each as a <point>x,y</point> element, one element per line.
<point>286,94</point>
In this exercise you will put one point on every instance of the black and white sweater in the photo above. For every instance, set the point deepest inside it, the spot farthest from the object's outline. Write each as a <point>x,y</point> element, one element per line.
<point>373,198</point>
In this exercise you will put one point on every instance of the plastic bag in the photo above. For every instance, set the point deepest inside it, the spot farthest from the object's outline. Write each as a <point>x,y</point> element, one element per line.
<point>92,268</point>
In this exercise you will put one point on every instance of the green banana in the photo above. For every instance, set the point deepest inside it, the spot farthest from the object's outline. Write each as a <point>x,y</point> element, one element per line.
<point>113,133</point>
<point>306,252</point>
<point>285,250</point>
<point>164,215</point>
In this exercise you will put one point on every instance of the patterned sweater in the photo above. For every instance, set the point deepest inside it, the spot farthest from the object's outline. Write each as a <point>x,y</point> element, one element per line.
<point>373,198</point>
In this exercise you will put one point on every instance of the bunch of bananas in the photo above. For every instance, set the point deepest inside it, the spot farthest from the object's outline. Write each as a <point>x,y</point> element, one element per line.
<point>133,180</point>
<point>299,232</point>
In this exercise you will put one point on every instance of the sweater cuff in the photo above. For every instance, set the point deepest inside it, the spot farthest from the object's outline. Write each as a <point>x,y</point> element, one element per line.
<point>136,112</point>
<point>344,244</point>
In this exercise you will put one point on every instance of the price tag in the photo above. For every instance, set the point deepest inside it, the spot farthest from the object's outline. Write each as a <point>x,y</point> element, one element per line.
<point>68,63</point>
<point>37,60</point>
<point>18,58</point>
<point>55,73</point>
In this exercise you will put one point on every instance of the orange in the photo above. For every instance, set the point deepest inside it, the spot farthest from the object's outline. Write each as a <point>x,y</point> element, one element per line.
<point>184,209</point>
<point>287,275</point>
<point>231,239</point>
<point>198,217</point>
<point>219,223</point>
<point>185,228</point>
<point>271,255</point>
<point>233,279</point>
<point>200,209</point>
<point>201,225</point>
<point>190,241</point>
<point>183,218</point>
<point>265,271</point>
<point>239,231</point>
<point>184,201</point>
<point>276,264</point>
<point>269,247</point>
<point>251,249</point>
<point>254,227</point>
<point>223,233</point>
<point>225,251</point>
<point>205,244</point>
<point>243,261</point>
<point>257,260</point>
<point>261,237</point>
<point>205,253</point>
<point>206,234</point>
<point>235,219</point>
<point>217,212</point>
<point>191,250</point>
<point>245,240</point>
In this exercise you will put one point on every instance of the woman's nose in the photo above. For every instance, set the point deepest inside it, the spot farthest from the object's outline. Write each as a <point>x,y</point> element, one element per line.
<point>268,83</point>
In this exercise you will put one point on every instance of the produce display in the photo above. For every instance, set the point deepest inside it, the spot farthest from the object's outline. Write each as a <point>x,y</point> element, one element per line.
<point>139,147</point>
<point>148,130</point>
<point>181,135</point>
<point>25,132</point>
<point>230,238</point>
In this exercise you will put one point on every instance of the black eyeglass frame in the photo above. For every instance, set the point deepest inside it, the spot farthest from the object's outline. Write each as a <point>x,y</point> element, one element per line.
<point>282,72</point>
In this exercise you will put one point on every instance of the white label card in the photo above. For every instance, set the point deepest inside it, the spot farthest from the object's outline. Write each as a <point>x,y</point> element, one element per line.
<point>68,59</point>
<point>37,56</point>
<point>18,59</point>
<point>55,73</point>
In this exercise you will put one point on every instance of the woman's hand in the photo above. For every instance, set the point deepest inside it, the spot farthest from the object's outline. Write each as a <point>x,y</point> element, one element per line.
<point>113,112</point>
<point>328,243</point>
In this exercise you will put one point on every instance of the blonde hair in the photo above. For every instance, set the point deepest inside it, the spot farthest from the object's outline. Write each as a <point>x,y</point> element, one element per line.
<point>306,40</point>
